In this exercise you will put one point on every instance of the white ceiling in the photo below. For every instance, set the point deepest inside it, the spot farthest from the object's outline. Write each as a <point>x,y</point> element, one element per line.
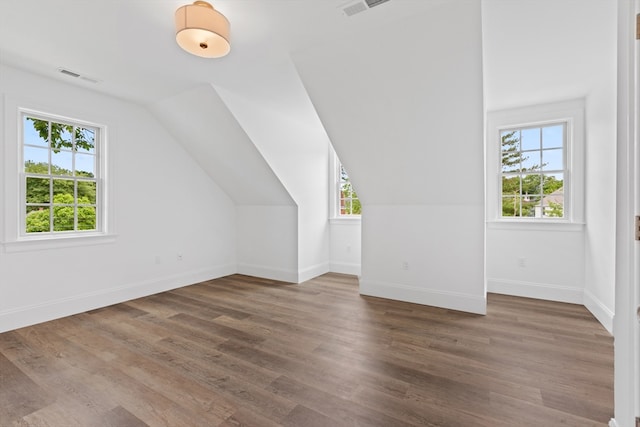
<point>129,45</point>
<point>539,51</point>
<point>555,46</point>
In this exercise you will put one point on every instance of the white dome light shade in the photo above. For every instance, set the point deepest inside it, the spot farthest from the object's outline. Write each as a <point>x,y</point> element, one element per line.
<point>202,30</point>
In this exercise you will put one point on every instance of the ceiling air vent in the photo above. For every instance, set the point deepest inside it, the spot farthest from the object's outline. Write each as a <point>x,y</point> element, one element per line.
<point>374,3</point>
<point>354,8</point>
<point>68,73</point>
<point>77,75</point>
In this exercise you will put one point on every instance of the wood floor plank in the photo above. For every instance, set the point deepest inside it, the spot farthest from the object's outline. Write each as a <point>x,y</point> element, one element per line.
<point>19,395</point>
<point>244,351</point>
<point>303,416</point>
<point>119,417</point>
<point>341,411</point>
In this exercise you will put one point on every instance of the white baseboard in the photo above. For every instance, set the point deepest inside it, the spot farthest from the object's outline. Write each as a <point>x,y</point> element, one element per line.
<point>289,276</point>
<point>37,313</point>
<point>451,300</point>
<point>313,271</point>
<point>345,268</point>
<point>570,294</point>
<point>599,310</point>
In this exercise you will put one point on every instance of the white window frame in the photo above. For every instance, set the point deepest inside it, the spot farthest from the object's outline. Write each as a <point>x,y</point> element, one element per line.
<point>13,236</point>
<point>99,205</point>
<point>334,190</point>
<point>569,112</point>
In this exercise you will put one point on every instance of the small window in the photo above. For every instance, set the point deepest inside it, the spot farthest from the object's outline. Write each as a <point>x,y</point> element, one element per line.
<point>348,202</point>
<point>60,189</point>
<point>535,164</point>
<point>533,171</point>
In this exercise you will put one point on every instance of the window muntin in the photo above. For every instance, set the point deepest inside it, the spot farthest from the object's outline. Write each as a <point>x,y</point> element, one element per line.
<point>533,171</point>
<point>348,202</point>
<point>60,191</point>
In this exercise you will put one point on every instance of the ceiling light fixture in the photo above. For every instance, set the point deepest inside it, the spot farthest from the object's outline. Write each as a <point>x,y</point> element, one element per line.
<point>202,30</point>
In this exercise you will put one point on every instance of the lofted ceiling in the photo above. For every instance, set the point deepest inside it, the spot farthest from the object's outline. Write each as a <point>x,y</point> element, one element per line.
<point>538,51</point>
<point>533,50</point>
<point>560,48</point>
<point>129,45</point>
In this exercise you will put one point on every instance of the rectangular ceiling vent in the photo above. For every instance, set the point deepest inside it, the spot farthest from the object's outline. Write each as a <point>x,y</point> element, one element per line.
<point>354,8</point>
<point>77,75</point>
<point>360,6</point>
<point>68,73</point>
<point>374,3</point>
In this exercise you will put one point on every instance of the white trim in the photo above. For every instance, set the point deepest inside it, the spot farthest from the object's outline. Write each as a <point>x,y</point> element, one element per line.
<point>346,220</point>
<point>333,172</point>
<point>57,242</point>
<point>50,310</point>
<point>100,165</point>
<point>572,112</point>
<point>313,271</point>
<point>443,299</point>
<point>536,225</point>
<point>11,236</point>
<point>544,291</point>
<point>345,268</point>
<point>282,275</point>
<point>627,335</point>
<point>599,310</point>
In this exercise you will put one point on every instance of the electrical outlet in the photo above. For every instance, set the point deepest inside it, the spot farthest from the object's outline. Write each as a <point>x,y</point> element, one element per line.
<point>179,257</point>
<point>522,262</point>
<point>405,265</point>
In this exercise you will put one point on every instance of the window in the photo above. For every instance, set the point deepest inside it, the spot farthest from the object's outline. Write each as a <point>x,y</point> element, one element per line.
<point>60,183</point>
<point>343,199</point>
<point>535,159</point>
<point>348,203</point>
<point>533,170</point>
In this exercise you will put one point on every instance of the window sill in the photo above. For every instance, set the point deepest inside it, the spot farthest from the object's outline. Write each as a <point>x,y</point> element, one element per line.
<point>38,243</point>
<point>354,220</point>
<point>535,225</point>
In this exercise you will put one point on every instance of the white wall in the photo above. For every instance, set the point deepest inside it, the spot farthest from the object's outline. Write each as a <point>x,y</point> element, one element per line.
<point>539,264</point>
<point>201,122</point>
<point>268,242</point>
<point>163,204</point>
<point>346,246</point>
<point>402,105</point>
<point>298,154</point>
<point>267,216</point>
<point>537,52</point>
<point>600,169</point>
<point>427,254</point>
<point>599,291</point>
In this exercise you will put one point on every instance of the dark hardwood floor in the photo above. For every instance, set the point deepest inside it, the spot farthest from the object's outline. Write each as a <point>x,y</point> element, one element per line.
<point>241,351</point>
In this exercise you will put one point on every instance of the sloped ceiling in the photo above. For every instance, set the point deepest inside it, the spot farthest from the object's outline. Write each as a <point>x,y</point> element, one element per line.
<point>539,51</point>
<point>408,115</point>
<point>129,45</point>
<point>532,49</point>
<point>209,132</point>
